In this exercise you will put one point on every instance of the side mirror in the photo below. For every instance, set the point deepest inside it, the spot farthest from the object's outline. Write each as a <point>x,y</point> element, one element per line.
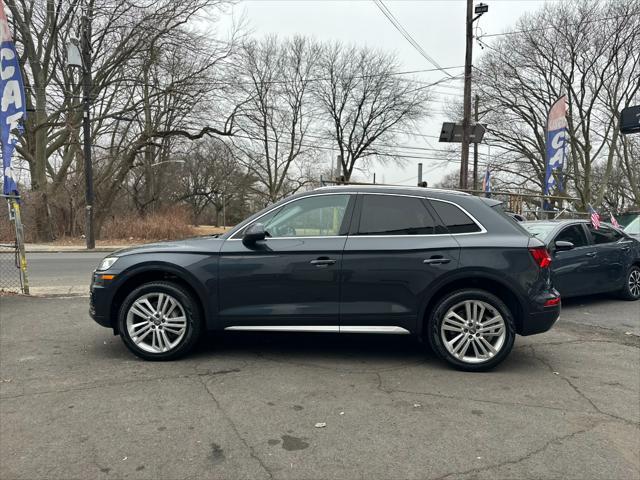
<point>562,246</point>
<point>253,234</point>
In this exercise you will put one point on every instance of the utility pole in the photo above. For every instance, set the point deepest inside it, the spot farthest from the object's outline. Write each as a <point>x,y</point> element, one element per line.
<point>480,9</point>
<point>86,126</point>
<point>475,147</point>
<point>466,120</point>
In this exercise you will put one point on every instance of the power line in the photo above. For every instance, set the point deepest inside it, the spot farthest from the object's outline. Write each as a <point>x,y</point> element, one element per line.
<point>391,17</point>
<point>552,27</point>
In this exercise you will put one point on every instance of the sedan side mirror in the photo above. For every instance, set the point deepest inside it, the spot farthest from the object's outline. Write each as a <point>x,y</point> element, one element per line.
<point>253,234</point>
<point>562,245</point>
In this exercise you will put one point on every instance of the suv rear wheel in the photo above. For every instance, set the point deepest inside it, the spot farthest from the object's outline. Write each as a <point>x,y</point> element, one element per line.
<point>159,321</point>
<point>471,329</point>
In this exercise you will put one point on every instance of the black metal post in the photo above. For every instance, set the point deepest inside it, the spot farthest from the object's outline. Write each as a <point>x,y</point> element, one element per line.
<point>86,128</point>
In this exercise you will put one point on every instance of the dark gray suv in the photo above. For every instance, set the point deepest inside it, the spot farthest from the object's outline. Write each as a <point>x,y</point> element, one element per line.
<point>448,267</point>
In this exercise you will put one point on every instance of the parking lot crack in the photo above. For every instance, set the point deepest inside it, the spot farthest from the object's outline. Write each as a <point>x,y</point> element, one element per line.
<point>233,426</point>
<point>576,389</point>
<point>523,458</point>
<point>380,386</point>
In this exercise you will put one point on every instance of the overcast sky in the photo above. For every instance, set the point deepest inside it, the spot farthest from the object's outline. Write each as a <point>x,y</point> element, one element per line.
<point>436,25</point>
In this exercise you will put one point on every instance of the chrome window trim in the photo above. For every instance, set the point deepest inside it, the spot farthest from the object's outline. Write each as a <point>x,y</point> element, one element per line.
<point>474,219</point>
<point>231,237</point>
<point>482,229</point>
<point>478,224</point>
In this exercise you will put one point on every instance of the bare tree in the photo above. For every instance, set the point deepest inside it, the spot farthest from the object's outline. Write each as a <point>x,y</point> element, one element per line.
<point>210,177</point>
<point>364,102</point>
<point>274,122</point>
<point>125,32</point>
<point>584,49</point>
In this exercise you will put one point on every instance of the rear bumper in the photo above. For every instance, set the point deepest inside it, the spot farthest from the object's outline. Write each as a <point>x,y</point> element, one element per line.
<point>540,317</point>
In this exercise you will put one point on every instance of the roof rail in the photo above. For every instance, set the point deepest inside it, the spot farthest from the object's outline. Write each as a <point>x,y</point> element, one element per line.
<point>399,187</point>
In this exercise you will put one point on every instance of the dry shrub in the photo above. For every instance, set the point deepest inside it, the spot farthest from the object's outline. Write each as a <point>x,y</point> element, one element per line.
<point>7,232</point>
<point>168,224</point>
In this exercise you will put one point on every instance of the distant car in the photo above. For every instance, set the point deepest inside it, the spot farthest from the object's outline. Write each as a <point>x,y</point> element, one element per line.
<point>588,260</point>
<point>517,217</point>
<point>448,267</point>
<point>633,228</point>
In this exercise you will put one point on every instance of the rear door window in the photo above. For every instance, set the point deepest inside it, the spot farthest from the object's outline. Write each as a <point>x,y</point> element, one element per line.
<point>454,218</point>
<point>603,234</point>
<point>394,215</point>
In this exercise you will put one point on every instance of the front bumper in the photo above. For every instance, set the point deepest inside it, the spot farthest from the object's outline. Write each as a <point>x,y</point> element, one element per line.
<point>100,303</point>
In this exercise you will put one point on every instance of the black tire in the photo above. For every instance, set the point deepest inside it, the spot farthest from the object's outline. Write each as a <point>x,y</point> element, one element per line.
<point>193,326</point>
<point>437,317</point>
<point>627,292</point>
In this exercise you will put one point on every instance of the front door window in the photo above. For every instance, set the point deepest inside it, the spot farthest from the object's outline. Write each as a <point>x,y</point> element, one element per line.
<point>316,216</point>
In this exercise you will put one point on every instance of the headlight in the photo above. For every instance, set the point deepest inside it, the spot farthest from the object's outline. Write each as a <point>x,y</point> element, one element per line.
<point>107,263</point>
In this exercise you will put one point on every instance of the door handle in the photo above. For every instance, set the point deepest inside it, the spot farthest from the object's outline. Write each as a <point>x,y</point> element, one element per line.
<point>436,260</point>
<point>322,262</point>
<point>591,254</point>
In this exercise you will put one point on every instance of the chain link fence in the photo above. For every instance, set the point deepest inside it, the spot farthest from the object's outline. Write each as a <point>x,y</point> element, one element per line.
<point>10,275</point>
<point>13,263</point>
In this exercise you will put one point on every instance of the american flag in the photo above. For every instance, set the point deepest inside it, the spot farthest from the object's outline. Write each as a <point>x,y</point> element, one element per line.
<point>614,222</point>
<point>595,217</point>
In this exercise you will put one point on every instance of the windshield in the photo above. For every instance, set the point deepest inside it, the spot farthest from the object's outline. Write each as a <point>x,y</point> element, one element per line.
<point>539,230</point>
<point>634,227</point>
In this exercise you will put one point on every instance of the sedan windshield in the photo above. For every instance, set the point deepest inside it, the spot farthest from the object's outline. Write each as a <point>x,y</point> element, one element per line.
<point>634,227</point>
<point>539,230</point>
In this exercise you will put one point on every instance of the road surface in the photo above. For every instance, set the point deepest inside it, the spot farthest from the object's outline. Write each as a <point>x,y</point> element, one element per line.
<point>75,404</point>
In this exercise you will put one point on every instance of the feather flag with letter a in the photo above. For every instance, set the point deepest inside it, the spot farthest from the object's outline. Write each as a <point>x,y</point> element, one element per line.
<point>12,103</point>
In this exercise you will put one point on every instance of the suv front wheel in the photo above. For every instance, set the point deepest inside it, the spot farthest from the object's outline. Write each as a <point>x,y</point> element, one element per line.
<point>159,321</point>
<point>471,329</point>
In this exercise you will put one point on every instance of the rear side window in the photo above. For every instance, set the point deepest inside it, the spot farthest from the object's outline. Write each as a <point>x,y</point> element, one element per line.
<point>604,234</point>
<point>394,215</point>
<point>454,218</point>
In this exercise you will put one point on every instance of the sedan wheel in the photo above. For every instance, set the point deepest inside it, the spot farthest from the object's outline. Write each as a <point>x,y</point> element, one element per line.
<point>159,321</point>
<point>156,322</point>
<point>631,290</point>
<point>473,331</point>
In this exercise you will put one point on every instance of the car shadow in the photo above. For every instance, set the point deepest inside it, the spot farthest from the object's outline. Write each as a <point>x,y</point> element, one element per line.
<point>381,351</point>
<point>315,344</point>
<point>593,299</point>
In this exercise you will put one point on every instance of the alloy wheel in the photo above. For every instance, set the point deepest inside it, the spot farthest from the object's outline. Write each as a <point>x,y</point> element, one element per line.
<point>634,283</point>
<point>156,322</point>
<point>473,331</point>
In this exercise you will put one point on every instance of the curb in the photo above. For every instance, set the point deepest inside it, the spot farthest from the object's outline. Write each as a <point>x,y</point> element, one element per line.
<point>76,250</point>
<point>60,291</point>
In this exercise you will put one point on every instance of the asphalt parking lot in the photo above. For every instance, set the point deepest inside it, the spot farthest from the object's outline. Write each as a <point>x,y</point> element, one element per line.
<point>74,404</point>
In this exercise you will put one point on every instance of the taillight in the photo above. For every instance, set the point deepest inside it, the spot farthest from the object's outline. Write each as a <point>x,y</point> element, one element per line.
<point>552,302</point>
<point>541,256</point>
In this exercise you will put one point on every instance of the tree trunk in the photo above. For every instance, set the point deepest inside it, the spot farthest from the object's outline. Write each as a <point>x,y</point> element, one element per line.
<point>39,185</point>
